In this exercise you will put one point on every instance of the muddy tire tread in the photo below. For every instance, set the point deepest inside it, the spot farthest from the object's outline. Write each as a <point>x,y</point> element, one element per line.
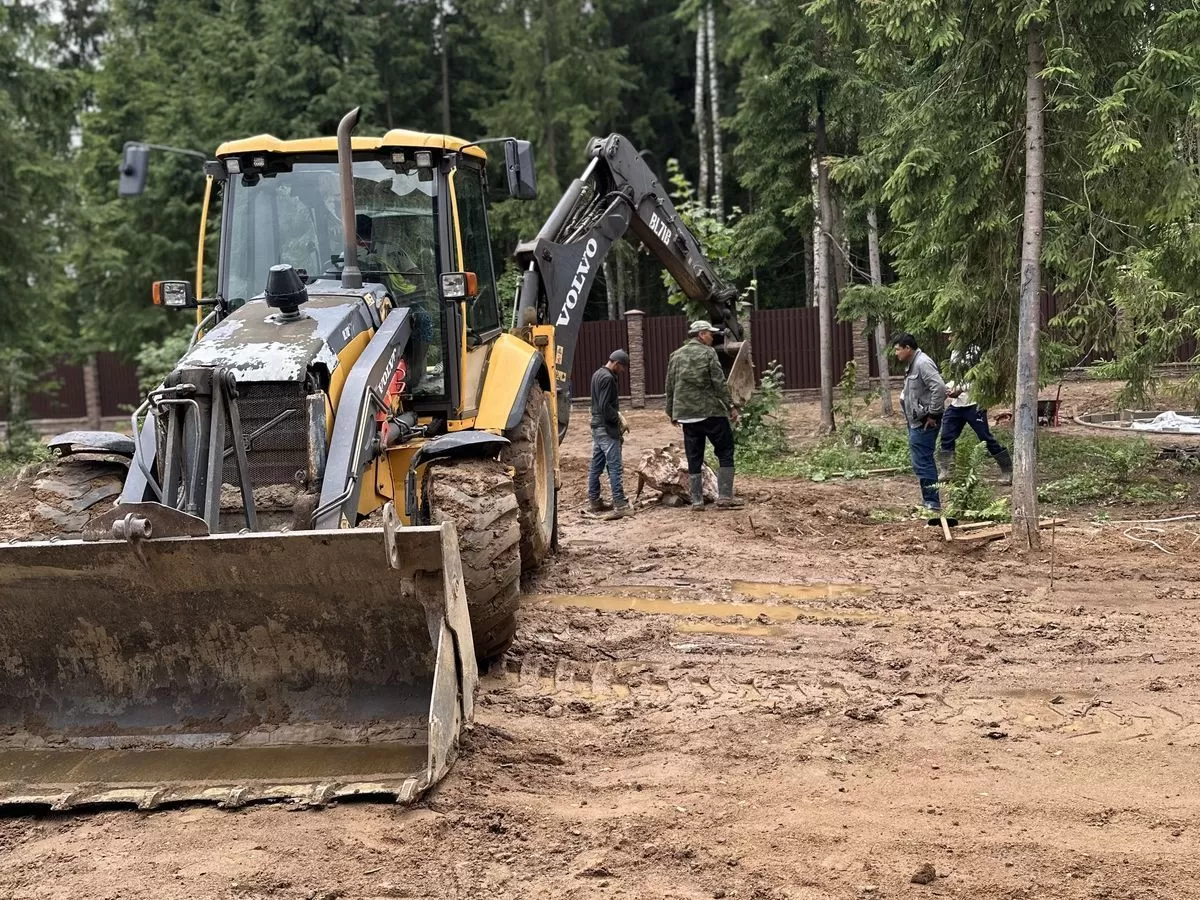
<point>69,493</point>
<point>520,455</point>
<point>477,495</point>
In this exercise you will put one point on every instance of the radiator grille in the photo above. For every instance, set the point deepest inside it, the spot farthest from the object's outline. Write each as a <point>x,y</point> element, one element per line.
<point>277,454</point>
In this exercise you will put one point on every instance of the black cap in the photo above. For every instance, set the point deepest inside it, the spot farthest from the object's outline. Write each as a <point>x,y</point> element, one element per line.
<point>619,356</point>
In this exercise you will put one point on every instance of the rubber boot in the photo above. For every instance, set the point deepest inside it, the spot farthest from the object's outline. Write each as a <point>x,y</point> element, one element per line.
<point>696,483</point>
<point>725,498</point>
<point>946,465</point>
<point>1004,461</point>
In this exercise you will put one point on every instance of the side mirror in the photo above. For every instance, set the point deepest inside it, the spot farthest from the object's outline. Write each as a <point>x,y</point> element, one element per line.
<point>518,164</point>
<point>135,163</point>
<point>174,295</point>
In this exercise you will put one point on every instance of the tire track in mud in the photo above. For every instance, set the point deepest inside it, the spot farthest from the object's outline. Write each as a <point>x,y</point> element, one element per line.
<point>537,682</point>
<point>1078,717</point>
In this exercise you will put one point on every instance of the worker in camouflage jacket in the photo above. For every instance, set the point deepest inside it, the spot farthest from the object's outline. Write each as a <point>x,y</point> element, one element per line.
<point>698,399</point>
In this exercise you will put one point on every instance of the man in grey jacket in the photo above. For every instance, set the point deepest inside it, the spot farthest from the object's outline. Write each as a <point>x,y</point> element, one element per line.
<point>923,400</point>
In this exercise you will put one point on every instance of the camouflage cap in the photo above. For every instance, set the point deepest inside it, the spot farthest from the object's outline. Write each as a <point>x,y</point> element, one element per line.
<point>698,326</point>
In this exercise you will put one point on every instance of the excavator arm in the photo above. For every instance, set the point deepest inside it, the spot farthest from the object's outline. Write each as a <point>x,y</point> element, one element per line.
<point>617,193</point>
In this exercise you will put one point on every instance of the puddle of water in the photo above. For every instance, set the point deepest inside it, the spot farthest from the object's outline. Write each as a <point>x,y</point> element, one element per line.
<point>645,590</point>
<point>747,630</point>
<point>763,590</point>
<point>662,606</point>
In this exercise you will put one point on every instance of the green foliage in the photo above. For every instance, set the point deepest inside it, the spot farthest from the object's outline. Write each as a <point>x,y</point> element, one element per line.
<point>856,449</point>
<point>1104,471</point>
<point>849,401</point>
<point>506,292</point>
<point>853,451</point>
<point>1121,189</point>
<point>22,448</point>
<point>759,430</point>
<point>155,361</point>
<point>37,97</point>
<point>968,495</point>
<point>715,232</point>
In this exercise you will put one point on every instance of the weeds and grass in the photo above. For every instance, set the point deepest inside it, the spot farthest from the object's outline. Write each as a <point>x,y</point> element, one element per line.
<point>1105,470</point>
<point>853,451</point>
<point>1073,470</point>
<point>21,450</point>
<point>759,429</point>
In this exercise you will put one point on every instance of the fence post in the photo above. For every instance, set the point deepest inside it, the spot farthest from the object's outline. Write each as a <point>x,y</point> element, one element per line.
<point>634,319</point>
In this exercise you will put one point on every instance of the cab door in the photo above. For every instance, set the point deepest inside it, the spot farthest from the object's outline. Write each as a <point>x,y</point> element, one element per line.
<point>482,321</point>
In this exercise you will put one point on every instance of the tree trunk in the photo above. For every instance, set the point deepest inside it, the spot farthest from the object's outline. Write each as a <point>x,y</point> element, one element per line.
<point>91,391</point>
<point>699,110</point>
<point>610,287</point>
<point>1024,495</point>
<point>881,336</point>
<point>714,91</point>
<point>821,280</point>
<point>860,352</point>
<point>444,40</point>
<point>822,300</point>
<point>622,279</point>
<point>810,290</point>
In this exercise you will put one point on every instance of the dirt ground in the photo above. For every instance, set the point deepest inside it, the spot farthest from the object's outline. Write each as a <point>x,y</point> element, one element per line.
<point>872,706</point>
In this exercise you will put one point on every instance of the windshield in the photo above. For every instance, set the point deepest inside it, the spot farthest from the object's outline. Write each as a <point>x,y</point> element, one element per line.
<point>294,217</point>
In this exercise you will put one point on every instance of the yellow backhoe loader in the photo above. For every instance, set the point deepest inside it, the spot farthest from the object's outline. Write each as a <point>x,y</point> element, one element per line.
<point>325,509</point>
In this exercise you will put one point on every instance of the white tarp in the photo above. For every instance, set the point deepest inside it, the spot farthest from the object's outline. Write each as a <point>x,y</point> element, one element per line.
<point>1169,421</point>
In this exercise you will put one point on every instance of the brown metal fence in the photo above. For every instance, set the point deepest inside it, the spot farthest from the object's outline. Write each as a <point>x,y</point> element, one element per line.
<point>62,395</point>
<point>792,338</point>
<point>788,336</point>
<point>596,341</point>
<point>664,334</point>
<point>119,390</point>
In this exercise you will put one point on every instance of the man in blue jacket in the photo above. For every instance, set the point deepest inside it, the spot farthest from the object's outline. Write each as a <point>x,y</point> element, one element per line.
<point>607,437</point>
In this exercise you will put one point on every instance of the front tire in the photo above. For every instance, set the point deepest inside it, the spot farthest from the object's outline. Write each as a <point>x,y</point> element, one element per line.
<point>531,454</point>
<point>477,495</point>
<point>69,493</point>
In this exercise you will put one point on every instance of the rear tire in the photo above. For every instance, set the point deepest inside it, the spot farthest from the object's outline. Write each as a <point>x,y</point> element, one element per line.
<point>477,495</point>
<point>531,454</point>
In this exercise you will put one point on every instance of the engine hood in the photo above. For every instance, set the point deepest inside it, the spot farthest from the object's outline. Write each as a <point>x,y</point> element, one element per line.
<point>256,346</point>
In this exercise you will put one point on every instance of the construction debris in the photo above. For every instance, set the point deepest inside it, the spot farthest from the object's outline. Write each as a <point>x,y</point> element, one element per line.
<point>982,532</point>
<point>665,470</point>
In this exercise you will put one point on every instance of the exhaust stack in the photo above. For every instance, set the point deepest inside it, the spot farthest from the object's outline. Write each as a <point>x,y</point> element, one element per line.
<point>351,274</point>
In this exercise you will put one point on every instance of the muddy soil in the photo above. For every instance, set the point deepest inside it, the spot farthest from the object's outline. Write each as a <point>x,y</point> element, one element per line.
<point>781,702</point>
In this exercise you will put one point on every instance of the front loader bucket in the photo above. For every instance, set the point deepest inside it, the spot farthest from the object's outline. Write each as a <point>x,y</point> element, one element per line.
<point>300,666</point>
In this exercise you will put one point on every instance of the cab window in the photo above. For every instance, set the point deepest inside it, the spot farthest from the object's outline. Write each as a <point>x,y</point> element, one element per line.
<point>483,315</point>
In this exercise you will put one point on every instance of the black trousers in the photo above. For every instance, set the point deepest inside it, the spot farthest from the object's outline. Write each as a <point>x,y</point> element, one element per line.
<point>717,431</point>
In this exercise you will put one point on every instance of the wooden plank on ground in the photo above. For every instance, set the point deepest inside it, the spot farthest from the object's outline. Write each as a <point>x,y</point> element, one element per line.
<point>976,532</point>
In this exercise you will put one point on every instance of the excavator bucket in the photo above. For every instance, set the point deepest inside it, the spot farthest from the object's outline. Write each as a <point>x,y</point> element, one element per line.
<point>741,375</point>
<point>297,666</point>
